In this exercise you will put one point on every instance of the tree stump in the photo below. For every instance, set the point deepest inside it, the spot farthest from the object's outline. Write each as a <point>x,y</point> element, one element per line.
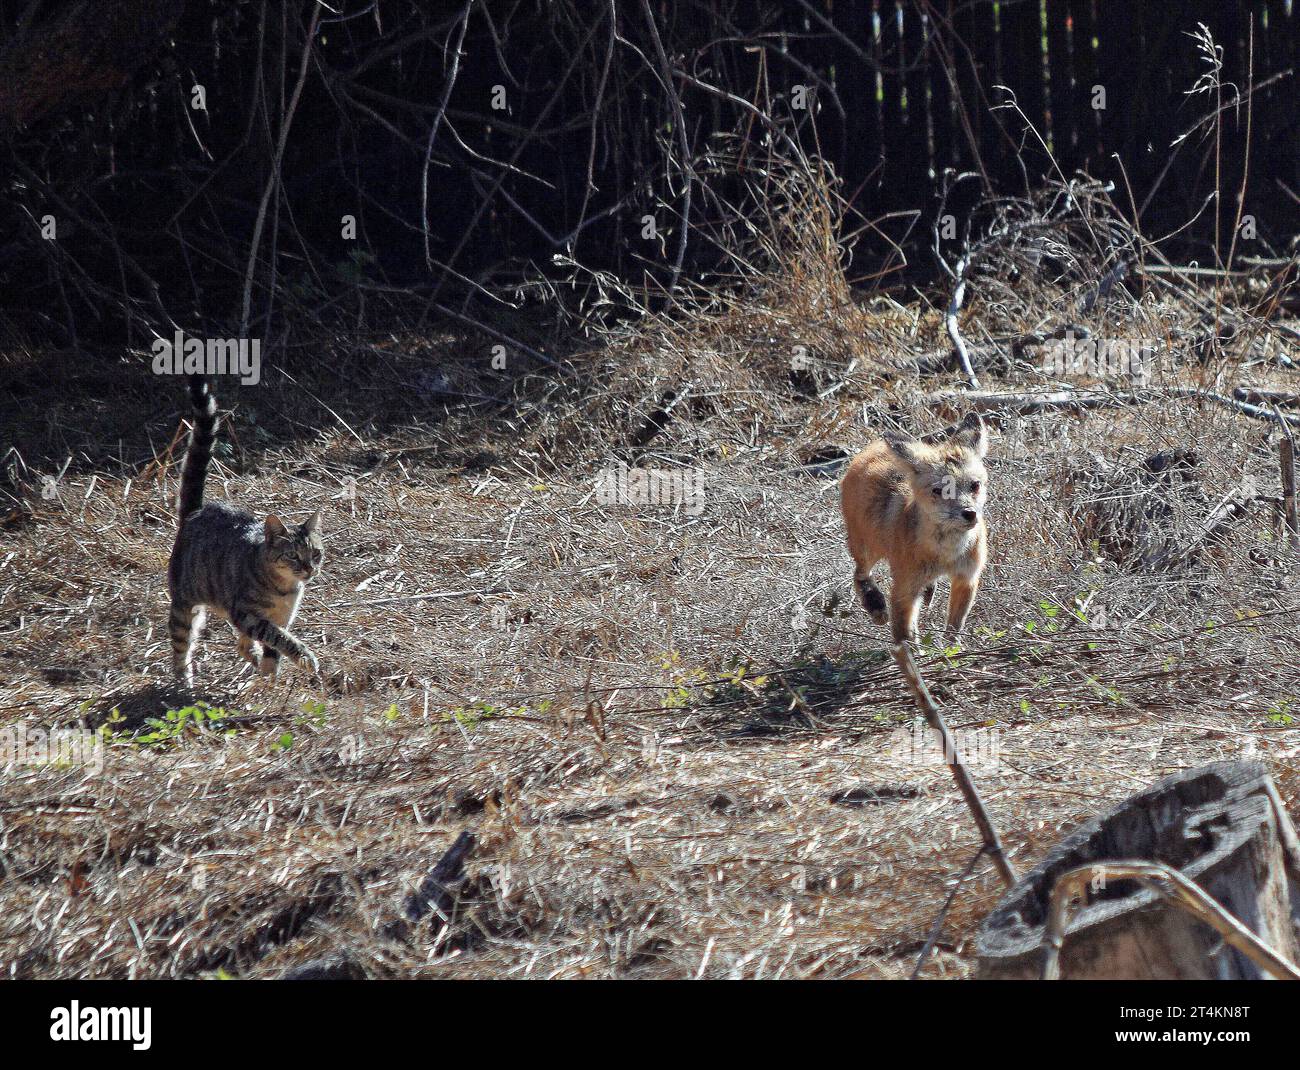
<point>1222,825</point>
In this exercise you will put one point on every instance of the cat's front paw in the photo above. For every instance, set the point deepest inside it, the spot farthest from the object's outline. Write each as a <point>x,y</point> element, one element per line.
<point>307,660</point>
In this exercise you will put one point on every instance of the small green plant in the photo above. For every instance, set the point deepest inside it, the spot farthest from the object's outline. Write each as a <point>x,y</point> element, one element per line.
<point>172,726</point>
<point>1105,691</point>
<point>682,681</point>
<point>108,731</point>
<point>477,712</point>
<point>1279,713</point>
<point>315,713</point>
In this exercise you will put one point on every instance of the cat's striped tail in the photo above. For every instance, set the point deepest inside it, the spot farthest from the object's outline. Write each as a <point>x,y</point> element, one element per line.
<point>194,472</point>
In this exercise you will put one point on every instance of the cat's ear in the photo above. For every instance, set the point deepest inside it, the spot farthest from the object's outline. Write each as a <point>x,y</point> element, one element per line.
<point>313,522</point>
<point>275,528</point>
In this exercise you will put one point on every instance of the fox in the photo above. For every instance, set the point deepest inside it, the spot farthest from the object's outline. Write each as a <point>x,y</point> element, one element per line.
<point>919,506</point>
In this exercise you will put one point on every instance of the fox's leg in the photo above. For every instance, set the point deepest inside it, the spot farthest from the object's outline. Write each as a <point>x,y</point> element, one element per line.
<point>904,601</point>
<point>927,599</point>
<point>873,599</point>
<point>959,603</point>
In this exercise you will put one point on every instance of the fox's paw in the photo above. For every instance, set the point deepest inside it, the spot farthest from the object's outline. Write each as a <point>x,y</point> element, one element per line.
<point>873,601</point>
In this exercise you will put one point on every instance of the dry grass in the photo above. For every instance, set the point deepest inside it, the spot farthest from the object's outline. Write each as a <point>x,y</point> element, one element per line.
<point>675,737</point>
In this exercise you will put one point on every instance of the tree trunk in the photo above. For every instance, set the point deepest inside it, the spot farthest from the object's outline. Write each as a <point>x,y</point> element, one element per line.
<point>1222,826</point>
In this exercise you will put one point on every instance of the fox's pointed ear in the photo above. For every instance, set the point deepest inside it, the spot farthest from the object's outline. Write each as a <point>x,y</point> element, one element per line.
<point>905,449</point>
<point>275,528</point>
<point>313,522</point>
<point>972,435</point>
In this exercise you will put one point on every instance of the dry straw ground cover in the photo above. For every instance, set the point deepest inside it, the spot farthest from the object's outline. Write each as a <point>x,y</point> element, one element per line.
<point>682,748</point>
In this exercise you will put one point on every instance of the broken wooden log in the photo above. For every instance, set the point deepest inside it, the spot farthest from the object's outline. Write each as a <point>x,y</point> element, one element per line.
<point>1166,881</point>
<point>1290,518</point>
<point>437,892</point>
<point>1257,396</point>
<point>992,403</point>
<point>1221,826</point>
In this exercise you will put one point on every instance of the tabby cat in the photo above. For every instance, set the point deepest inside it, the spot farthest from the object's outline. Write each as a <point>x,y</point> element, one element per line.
<point>228,562</point>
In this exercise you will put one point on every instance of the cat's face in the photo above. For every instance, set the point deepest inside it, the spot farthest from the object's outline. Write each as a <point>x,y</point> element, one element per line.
<point>297,550</point>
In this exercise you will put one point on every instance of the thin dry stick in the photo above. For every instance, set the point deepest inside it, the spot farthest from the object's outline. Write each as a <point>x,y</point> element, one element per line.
<point>937,927</point>
<point>433,129</point>
<point>1287,450</point>
<point>492,332</point>
<point>954,330</point>
<point>679,121</point>
<point>1176,888</point>
<point>926,704</point>
<point>274,181</point>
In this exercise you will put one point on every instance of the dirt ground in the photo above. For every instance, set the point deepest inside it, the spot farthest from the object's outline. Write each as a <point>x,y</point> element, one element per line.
<point>681,745</point>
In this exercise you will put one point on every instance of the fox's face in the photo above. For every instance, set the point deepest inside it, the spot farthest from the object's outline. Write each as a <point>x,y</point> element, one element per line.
<point>949,480</point>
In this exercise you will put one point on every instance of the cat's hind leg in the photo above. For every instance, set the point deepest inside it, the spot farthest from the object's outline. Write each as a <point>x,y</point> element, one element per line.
<point>184,623</point>
<point>270,663</point>
<point>249,649</point>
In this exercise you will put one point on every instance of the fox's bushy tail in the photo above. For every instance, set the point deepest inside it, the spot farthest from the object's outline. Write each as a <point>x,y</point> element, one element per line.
<point>194,472</point>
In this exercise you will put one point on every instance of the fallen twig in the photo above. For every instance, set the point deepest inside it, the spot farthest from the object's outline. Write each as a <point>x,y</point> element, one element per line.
<point>954,331</point>
<point>926,704</point>
<point>937,927</point>
<point>1025,402</point>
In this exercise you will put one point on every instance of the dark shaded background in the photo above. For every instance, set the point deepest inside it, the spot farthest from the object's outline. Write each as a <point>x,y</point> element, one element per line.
<point>156,203</point>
